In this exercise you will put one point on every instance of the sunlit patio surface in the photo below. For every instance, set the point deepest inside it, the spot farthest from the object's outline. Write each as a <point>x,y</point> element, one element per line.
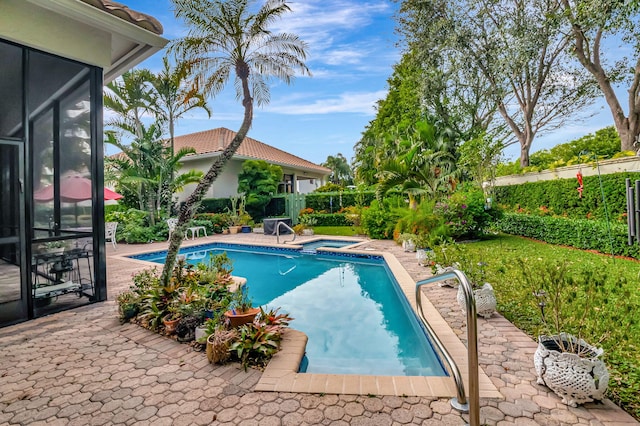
<point>83,367</point>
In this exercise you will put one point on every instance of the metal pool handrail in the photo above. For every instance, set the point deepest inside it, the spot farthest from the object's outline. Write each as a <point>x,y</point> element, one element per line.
<point>278,232</point>
<point>460,403</point>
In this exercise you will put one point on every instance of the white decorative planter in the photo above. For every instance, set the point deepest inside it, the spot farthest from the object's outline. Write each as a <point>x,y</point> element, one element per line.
<point>258,230</point>
<point>485,300</point>
<point>421,255</point>
<point>453,283</point>
<point>409,245</point>
<point>307,231</point>
<point>576,379</point>
<point>201,331</point>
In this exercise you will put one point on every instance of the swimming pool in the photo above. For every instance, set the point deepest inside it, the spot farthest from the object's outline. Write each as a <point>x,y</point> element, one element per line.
<point>313,245</point>
<point>349,306</point>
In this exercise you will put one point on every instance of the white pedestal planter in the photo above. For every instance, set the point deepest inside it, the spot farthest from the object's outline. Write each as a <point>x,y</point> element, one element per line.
<point>409,245</point>
<point>307,231</point>
<point>485,300</point>
<point>576,379</point>
<point>201,331</point>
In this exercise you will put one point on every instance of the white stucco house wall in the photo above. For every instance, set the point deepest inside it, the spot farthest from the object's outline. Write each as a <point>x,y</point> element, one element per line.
<point>300,176</point>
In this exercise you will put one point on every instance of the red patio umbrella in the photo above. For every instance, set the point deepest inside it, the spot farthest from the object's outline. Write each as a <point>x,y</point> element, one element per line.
<point>72,190</point>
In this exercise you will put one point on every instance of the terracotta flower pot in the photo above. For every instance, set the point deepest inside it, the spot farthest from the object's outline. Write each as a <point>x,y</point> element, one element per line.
<point>169,324</point>
<point>239,318</point>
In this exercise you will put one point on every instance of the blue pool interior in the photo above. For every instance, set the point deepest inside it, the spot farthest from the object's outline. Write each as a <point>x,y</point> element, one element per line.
<point>355,315</point>
<point>314,245</point>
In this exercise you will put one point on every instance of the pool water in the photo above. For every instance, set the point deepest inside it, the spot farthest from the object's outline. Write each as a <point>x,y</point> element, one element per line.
<point>354,314</point>
<point>313,245</point>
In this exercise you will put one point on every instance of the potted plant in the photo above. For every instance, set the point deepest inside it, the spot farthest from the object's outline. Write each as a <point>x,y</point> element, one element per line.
<point>307,223</point>
<point>408,241</point>
<point>564,361</point>
<point>258,229</point>
<point>171,319</point>
<point>475,272</point>
<point>54,246</point>
<point>242,311</point>
<point>128,305</point>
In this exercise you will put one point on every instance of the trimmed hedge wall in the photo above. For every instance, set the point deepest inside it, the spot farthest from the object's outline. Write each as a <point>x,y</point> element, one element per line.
<point>580,233</point>
<point>215,205</point>
<point>336,219</point>
<point>561,197</point>
<point>333,201</point>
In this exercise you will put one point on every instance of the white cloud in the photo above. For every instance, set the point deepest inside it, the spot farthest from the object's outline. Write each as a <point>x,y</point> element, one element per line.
<point>348,102</point>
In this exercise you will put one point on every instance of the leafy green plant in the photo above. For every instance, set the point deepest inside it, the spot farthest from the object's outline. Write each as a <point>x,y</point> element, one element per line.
<point>255,344</point>
<point>566,298</point>
<point>128,305</point>
<point>377,222</point>
<point>616,303</point>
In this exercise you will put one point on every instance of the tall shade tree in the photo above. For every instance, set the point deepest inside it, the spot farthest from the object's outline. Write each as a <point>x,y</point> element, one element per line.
<point>399,110</point>
<point>228,37</point>
<point>520,48</point>
<point>595,26</point>
<point>340,169</point>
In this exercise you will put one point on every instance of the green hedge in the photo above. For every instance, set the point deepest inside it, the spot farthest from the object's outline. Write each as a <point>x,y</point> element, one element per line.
<point>580,233</point>
<point>561,197</point>
<point>334,201</point>
<point>215,205</point>
<point>336,219</point>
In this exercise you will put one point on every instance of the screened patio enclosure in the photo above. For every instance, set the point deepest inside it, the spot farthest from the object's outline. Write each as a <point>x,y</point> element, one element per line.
<point>49,129</point>
<point>56,56</point>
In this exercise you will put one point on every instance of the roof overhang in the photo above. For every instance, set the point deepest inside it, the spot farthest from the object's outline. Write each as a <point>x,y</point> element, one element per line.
<point>76,30</point>
<point>315,172</point>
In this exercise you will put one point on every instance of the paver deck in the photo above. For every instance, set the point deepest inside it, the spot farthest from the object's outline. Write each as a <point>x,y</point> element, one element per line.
<point>82,367</point>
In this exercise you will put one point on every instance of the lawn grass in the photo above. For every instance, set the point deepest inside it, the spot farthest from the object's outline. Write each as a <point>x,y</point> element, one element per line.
<point>342,231</point>
<point>612,322</point>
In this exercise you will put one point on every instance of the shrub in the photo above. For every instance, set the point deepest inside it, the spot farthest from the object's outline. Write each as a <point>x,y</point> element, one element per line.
<point>377,222</point>
<point>323,219</point>
<point>334,201</point>
<point>580,233</point>
<point>466,214</point>
<point>560,196</point>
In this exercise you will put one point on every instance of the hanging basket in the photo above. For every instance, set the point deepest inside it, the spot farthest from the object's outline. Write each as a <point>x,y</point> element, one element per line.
<point>575,378</point>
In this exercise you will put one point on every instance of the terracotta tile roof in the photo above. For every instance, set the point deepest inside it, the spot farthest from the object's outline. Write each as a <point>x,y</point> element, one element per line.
<point>142,20</point>
<point>215,140</point>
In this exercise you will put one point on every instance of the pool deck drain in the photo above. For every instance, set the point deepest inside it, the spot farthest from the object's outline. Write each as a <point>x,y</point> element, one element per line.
<point>81,367</point>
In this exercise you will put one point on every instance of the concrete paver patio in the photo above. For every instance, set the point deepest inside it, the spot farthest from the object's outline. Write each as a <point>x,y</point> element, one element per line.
<point>82,367</point>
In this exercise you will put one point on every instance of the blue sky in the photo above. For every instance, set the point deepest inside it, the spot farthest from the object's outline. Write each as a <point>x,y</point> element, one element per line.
<point>352,48</point>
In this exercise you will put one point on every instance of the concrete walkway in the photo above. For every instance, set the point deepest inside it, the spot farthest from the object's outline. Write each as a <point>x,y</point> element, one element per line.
<point>82,367</point>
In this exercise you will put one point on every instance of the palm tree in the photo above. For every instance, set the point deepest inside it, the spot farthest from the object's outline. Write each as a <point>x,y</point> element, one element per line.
<point>129,98</point>
<point>340,169</point>
<point>225,37</point>
<point>144,167</point>
<point>175,95</point>
<point>423,164</point>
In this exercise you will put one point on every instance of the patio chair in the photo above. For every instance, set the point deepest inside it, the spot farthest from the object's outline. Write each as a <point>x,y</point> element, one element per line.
<point>172,222</point>
<point>110,233</point>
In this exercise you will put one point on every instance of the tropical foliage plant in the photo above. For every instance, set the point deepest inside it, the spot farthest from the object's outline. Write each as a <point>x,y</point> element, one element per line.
<point>258,181</point>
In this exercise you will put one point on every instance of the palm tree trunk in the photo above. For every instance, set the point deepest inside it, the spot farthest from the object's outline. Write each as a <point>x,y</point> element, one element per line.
<point>189,208</point>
